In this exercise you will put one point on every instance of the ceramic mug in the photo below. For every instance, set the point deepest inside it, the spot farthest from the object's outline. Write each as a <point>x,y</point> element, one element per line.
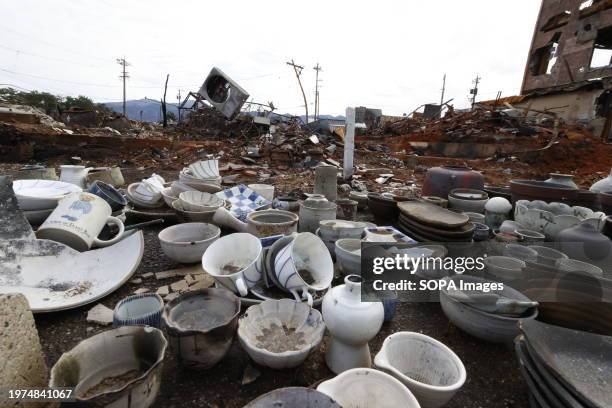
<point>77,220</point>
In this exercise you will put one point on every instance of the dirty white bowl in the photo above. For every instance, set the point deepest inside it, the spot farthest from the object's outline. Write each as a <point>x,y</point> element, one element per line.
<point>348,256</point>
<point>573,265</point>
<point>205,168</point>
<point>169,196</point>
<point>333,230</point>
<point>199,201</point>
<point>368,388</point>
<point>143,197</point>
<point>430,369</point>
<point>261,331</point>
<point>35,195</point>
<point>192,216</point>
<point>186,243</point>
<point>504,267</point>
<point>548,256</point>
<point>521,252</point>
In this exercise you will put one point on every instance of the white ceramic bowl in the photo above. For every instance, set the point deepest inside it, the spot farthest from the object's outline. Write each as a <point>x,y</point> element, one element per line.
<point>193,216</point>
<point>36,195</point>
<point>547,256</point>
<point>468,200</point>
<point>199,201</point>
<point>430,369</point>
<point>305,264</point>
<point>365,387</point>
<point>573,265</point>
<point>333,230</point>
<point>205,168</point>
<point>280,333</point>
<point>186,243</point>
<point>169,196</point>
<point>235,261</point>
<point>187,176</point>
<point>178,187</point>
<point>348,256</point>
<point>521,252</point>
<point>504,267</point>
<point>152,200</point>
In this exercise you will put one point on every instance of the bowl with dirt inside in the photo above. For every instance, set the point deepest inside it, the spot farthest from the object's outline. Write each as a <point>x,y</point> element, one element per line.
<point>114,368</point>
<point>280,333</point>
<point>201,325</point>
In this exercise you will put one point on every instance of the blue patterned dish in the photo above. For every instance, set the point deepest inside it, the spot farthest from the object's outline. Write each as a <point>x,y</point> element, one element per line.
<point>243,200</point>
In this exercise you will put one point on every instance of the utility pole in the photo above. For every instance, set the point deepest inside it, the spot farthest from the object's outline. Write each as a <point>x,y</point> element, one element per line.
<point>124,75</point>
<point>474,91</point>
<point>298,72</point>
<point>163,105</point>
<point>179,105</point>
<point>316,113</point>
<point>442,96</point>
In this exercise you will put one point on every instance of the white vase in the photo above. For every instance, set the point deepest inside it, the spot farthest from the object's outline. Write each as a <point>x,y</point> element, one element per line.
<point>352,324</point>
<point>603,185</point>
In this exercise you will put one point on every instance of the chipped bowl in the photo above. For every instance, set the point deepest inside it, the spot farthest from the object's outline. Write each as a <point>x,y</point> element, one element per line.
<point>143,197</point>
<point>186,243</point>
<point>280,333</point>
<point>198,201</point>
<point>348,255</point>
<point>204,169</point>
<point>169,196</point>
<point>192,216</point>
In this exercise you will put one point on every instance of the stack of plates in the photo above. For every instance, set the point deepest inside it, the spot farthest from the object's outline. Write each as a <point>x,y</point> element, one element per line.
<point>564,367</point>
<point>427,222</point>
<point>38,198</point>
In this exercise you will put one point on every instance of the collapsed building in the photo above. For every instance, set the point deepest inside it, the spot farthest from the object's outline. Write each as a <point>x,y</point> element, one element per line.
<point>569,68</point>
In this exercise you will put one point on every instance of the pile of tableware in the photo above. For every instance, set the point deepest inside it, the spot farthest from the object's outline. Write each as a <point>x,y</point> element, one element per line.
<point>38,198</point>
<point>564,367</point>
<point>491,316</point>
<point>147,193</point>
<point>427,222</point>
<point>280,333</point>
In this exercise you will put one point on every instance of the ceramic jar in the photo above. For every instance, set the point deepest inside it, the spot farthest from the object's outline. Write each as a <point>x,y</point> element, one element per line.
<point>585,242</point>
<point>76,175</point>
<point>313,210</point>
<point>439,181</point>
<point>564,179</point>
<point>603,185</point>
<point>497,211</point>
<point>326,182</point>
<point>352,324</point>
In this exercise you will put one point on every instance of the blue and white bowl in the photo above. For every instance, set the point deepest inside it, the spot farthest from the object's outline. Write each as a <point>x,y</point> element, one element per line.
<point>204,169</point>
<point>144,309</point>
<point>243,200</point>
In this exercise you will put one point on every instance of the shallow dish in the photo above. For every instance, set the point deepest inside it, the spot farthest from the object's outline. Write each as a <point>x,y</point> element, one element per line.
<point>153,200</point>
<point>35,195</point>
<point>280,333</point>
<point>186,243</point>
<point>192,216</point>
<point>243,200</point>
<point>198,201</point>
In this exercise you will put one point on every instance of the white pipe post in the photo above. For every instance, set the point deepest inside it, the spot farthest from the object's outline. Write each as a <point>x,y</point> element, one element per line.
<point>349,143</point>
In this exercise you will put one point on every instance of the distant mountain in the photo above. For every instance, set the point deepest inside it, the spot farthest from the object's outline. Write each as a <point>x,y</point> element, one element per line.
<point>151,109</point>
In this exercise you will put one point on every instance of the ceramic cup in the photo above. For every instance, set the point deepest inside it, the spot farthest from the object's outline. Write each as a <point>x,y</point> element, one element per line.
<point>305,264</point>
<point>235,261</point>
<point>77,220</point>
<point>110,194</point>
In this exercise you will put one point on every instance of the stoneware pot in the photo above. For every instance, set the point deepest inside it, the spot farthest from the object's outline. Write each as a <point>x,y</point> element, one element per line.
<point>348,255</point>
<point>280,333</point>
<point>143,309</point>
<point>133,352</point>
<point>235,262</point>
<point>77,221</point>
<point>361,197</point>
<point>492,327</point>
<point>465,199</point>
<point>481,232</point>
<point>266,223</point>
<point>603,185</point>
<point>352,324</point>
<point>304,265</point>
<point>194,216</point>
<point>439,181</point>
<point>497,210</point>
<point>430,369</point>
<point>564,179</point>
<point>313,210</point>
<point>108,193</point>
<point>585,242</point>
<point>368,388</point>
<point>102,174</point>
<point>347,209</point>
<point>186,243</point>
<point>201,325</point>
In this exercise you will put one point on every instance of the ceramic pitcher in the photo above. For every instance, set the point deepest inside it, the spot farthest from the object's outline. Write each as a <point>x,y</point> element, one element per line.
<point>76,175</point>
<point>77,221</point>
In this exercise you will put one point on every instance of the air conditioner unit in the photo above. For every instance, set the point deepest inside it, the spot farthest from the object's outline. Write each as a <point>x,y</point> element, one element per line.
<point>223,93</point>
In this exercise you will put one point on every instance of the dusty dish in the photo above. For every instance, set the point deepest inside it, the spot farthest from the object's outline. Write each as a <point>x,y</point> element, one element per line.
<point>33,195</point>
<point>280,333</point>
<point>198,201</point>
<point>186,243</point>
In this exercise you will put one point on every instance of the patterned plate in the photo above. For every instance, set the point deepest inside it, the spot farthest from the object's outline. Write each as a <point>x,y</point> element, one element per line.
<point>243,200</point>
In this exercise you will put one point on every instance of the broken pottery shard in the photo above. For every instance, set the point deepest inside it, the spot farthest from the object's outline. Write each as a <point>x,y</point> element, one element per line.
<point>165,274</point>
<point>250,375</point>
<point>22,364</point>
<point>179,286</point>
<point>171,296</point>
<point>141,291</point>
<point>163,290</point>
<point>13,222</point>
<point>100,314</point>
<point>147,275</point>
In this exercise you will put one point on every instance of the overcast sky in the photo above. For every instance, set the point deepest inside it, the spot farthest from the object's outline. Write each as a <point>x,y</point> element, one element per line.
<point>386,54</point>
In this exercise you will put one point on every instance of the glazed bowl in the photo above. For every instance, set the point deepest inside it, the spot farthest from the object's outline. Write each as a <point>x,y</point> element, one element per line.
<point>265,223</point>
<point>186,243</point>
<point>38,195</point>
<point>188,177</point>
<point>280,333</point>
<point>504,268</point>
<point>430,369</point>
<point>470,200</point>
<point>305,264</point>
<point>204,169</point>
<point>235,261</point>
<point>365,387</point>
<point>293,397</point>
<point>143,197</point>
<point>108,193</point>
<point>348,255</point>
<point>198,201</point>
<point>179,187</point>
<point>169,196</point>
<point>495,328</point>
<point>547,256</point>
<point>134,354</point>
<point>529,236</point>
<point>192,216</point>
<point>143,309</point>
<point>333,230</point>
<point>201,325</point>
